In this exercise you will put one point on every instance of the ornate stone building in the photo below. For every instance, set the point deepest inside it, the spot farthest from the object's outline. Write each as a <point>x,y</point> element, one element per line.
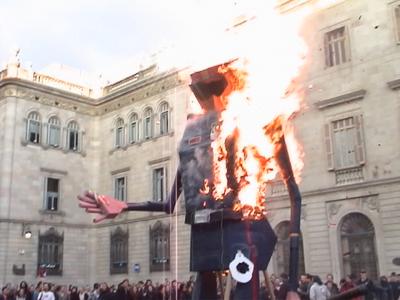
<point>57,139</point>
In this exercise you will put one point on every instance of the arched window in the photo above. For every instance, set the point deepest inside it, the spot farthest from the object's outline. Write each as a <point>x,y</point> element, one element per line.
<point>357,236</point>
<point>119,133</point>
<point>164,118</point>
<point>33,130</point>
<point>159,247</point>
<point>73,136</point>
<point>148,123</point>
<point>282,251</point>
<point>134,128</point>
<point>119,252</point>
<point>54,132</point>
<point>50,258</point>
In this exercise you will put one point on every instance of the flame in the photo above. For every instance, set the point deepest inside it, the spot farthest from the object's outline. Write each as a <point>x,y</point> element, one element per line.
<point>262,96</point>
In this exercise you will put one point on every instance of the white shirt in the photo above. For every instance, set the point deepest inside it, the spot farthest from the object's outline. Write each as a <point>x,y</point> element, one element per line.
<point>46,296</point>
<point>319,292</point>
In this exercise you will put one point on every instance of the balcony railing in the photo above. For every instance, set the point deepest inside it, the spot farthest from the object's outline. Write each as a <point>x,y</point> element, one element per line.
<point>349,175</point>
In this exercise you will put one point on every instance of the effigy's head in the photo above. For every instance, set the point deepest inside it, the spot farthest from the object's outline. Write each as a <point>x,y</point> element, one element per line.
<point>211,86</point>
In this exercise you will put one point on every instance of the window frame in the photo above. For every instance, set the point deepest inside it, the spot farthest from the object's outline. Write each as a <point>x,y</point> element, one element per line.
<point>46,194</point>
<point>119,133</point>
<point>164,114</point>
<point>163,183</point>
<point>119,251</point>
<point>328,55</point>
<point>134,136</point>
<point>73,128</point>
<point>125,187</point>
<point>51,239</point>
<point>160,258</point>
<point>148,119</point>
<point>50,128</point>
<point>36,119</point>
<point>396,20</point>
<point>359,142</point>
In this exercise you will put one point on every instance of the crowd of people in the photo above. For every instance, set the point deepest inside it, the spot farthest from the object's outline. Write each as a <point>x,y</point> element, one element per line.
<point>314,288</point>
<point>310,288</point>
<point>101,291</point>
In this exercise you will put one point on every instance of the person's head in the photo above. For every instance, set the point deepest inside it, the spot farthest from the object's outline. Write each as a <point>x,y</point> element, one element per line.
<point>173,283</point>
<point>212,86</point>
<point>46,287</point>
<point>342,281</point>
<point>5,290</point>
<point>74,289</point>
<point>125,283</point>
<point>277,282</point>
<point>23,285</point>
<point>39,286</point>
<point>383,280</point>
<point>363,275</point>
<point>303,279</point>
<point>96,286</point>
<point>317,280</point>
<point>329,278</point>
<point>103,287</point>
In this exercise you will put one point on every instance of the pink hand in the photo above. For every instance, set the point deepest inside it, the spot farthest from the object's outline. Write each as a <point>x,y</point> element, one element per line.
<point>106,206</point>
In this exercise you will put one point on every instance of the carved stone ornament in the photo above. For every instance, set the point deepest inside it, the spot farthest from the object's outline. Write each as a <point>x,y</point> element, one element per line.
<point>333,209</point>
<point>371,202</point>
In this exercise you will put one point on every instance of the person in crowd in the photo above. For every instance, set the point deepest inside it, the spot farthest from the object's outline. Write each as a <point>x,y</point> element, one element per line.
<point>394,285</point>
<point>83,294</point>
<point>370,295</point>
<point>95,293</point>
<point>318,290</point>
<point>384,290</point>
<point>105,293</point>
<point>123,290</point>
<point>304,286</point>
<point>331,285</point>
<point>46,293</point>
<point>38,289</point>
<point>23,285</point>
<point>74,293</point>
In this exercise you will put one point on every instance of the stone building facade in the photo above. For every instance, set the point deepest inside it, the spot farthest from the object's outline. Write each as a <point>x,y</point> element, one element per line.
<point>57,139</point>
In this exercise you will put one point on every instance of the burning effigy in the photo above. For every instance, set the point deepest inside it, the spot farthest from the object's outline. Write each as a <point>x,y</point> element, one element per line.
<point>240,140</point>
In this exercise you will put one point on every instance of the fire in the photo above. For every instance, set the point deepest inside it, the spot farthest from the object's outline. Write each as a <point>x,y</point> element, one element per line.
<point>261,98</point>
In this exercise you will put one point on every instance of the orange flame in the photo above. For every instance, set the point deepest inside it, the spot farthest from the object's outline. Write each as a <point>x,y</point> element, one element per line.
<point>262,93</point>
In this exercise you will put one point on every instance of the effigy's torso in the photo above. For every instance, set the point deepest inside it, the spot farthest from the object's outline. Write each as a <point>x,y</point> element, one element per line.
<point>217,232</point>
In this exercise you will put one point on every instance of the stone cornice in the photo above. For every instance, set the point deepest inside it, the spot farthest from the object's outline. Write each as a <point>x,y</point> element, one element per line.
<point>394,84</point>
<point>345,98</point>
<point>334,189</point>
<point>31,91</point>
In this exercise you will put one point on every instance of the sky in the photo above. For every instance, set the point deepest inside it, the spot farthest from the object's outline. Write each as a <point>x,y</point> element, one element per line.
<point>98,37</point>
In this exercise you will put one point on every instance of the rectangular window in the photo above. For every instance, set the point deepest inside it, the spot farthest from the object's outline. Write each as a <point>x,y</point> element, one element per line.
<point>336,47</point>
<point>159,184</point>
<point>119,137</point>
<point>73,136</point>
<point>119,252</point>
<point>397,22</point>
<point>133,132</point>
<point>52,194</point>
<point>147,128</point>
<point>34,131</point>
<point>164,122</point>
<point>54,135</point>
<point>345,142</point>
<point>50,256</point>
<point>120,188</point>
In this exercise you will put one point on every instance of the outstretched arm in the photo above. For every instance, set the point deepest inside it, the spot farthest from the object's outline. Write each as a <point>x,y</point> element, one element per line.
<point>107,207</point>
<point>166,206</point>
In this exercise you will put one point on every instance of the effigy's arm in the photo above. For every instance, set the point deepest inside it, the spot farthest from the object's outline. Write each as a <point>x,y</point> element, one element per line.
<point>107,207</point>
<point>166,206</point>
<point>281,155</point>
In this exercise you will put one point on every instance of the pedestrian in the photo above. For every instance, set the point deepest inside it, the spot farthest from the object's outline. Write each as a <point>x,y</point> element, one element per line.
<point>318,290</point>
